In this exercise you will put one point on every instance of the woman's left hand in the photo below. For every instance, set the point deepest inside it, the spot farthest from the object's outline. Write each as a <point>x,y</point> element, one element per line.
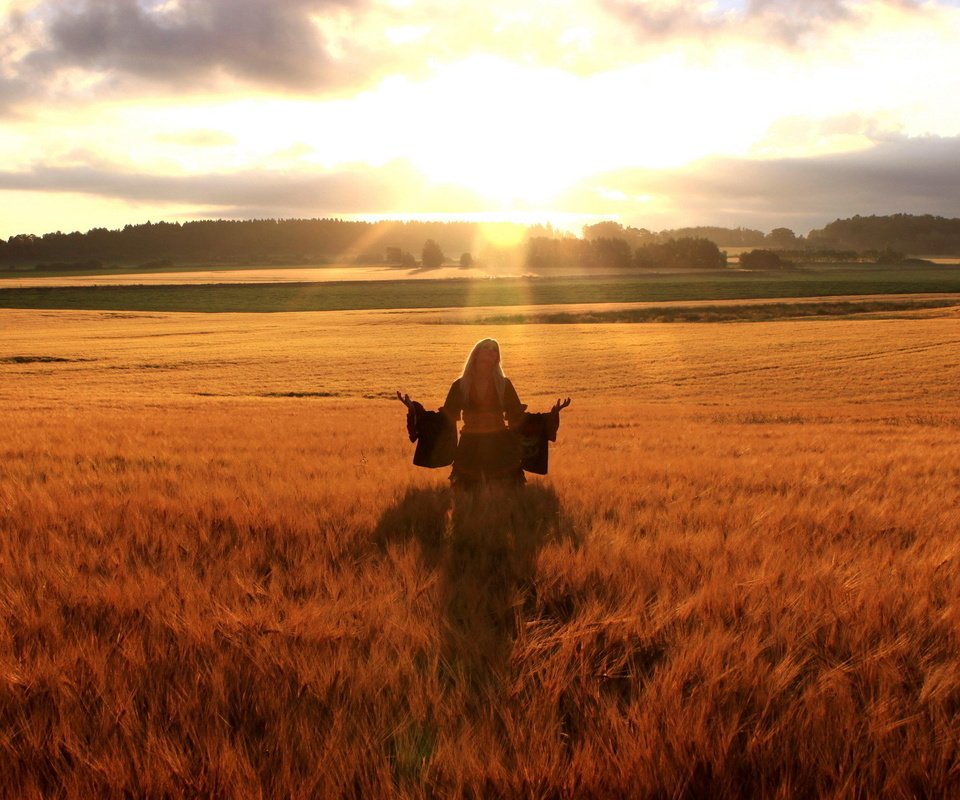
<point>559,405</point>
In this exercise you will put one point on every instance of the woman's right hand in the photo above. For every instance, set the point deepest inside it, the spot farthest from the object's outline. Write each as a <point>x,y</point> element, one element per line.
<point>405,399</point>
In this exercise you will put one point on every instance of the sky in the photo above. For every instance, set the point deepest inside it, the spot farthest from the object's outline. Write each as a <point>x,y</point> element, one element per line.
<point>655,113</point>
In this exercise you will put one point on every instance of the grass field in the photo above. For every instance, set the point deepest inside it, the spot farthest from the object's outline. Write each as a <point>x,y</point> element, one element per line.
<point>221,576</point>
<point>471,293</point>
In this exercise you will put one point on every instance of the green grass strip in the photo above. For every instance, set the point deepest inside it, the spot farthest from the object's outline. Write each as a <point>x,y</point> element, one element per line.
<point>467,293</point>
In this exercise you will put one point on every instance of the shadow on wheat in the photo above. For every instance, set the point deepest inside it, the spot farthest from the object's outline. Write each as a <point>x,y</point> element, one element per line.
<point>483,547</point>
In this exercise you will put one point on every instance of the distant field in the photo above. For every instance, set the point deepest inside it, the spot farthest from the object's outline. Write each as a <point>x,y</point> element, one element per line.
<point>732,285</point>
<point>227,275</point>
<point>221,576</point>
<point>30,271</point>
<point>241,272</point>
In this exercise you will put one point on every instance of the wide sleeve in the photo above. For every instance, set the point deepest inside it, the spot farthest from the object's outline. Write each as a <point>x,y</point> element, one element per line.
<point>512,406</point>
<point>453,405</point>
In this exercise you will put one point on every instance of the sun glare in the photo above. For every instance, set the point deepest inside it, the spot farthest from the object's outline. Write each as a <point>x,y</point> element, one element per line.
<point>499,132</point>
<point>502,234</point>
<point>521,136</point>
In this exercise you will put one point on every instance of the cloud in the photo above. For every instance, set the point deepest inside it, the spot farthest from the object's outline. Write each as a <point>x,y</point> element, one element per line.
<point>899,174</point>
<point>394,187</point>
<point>273,43</point>
<point>13,88</point>
<point>290,46</point>
<point>785,22</point>
<point>91,49</point>
<point>12,91</point>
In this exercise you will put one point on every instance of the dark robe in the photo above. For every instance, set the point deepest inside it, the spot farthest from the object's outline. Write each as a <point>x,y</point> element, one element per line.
<point>536,431</point>
<point>501,454</point>
<point>435,434</point>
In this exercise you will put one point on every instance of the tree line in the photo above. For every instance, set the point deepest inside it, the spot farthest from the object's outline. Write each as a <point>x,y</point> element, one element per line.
<point>905,233</point>
<point>605,244</point>
<point>287,241</point>
<point>618,254</point>
<point>638,237</point>
<point>875,238</point>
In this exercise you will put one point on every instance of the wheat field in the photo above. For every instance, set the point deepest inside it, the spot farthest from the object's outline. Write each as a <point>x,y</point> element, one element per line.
<point>221,576</point>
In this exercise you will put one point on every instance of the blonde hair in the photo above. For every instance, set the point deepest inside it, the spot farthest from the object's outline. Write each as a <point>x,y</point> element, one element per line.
<point>468,378</point>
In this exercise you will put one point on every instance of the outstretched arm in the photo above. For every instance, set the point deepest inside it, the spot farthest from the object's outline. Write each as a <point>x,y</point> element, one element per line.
<point>554,418</point>
<point>411,415</point>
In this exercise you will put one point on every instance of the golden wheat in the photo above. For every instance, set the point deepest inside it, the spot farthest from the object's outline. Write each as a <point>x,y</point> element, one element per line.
<point>221,576</point>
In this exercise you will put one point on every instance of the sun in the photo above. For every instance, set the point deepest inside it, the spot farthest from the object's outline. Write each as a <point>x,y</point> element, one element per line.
<point>501,135</point>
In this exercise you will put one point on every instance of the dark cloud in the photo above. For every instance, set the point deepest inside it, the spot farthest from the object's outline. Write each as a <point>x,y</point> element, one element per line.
<point>791,20</point>
<point>394,187</point>
<point>786,22</point>
<point>13,88</point>
<point>274,44</point>
<point>12,92</point>
<point>918,175</point>
<point>268,42</point>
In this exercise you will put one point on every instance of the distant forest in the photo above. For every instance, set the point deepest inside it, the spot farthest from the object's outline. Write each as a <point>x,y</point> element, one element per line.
<point>334,240</point>
<point>210,241</point>
<point>908,233</point>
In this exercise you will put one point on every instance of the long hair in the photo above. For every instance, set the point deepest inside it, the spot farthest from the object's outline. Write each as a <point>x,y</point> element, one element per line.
<point>469,376</point>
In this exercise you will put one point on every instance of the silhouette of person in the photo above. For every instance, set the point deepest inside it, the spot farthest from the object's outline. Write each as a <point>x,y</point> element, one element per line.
<point>489,406</point>
<point>485,399</point>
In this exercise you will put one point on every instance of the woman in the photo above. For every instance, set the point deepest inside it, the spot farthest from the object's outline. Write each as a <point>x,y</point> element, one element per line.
<point>489,448</point>
<point>487,402</point>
